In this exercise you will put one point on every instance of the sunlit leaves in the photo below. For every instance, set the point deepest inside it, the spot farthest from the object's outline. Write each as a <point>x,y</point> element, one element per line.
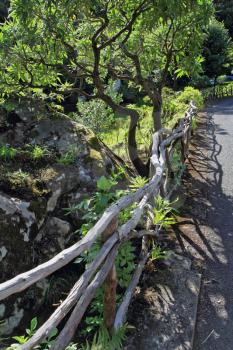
<point>46,39</point>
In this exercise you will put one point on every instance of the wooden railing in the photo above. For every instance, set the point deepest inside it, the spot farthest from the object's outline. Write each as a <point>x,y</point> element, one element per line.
<point>102,269</point>
<point>219,91</point>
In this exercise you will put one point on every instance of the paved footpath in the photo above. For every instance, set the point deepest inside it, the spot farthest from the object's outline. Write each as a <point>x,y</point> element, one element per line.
<point>204,231</point>
<point>214,329</point>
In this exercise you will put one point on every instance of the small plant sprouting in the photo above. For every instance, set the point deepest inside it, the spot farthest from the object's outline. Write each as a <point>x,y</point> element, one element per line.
<point>103,341</point>
<point>70,156</point>
<point>177,165</point>
<point>137,182</point>
<point>29,333</point>
<point>38,152</point>
<point>194,123</point>
<point>162,213</point>
<point>158,253</point>
<point>7,152</point>
<point>22,339</point>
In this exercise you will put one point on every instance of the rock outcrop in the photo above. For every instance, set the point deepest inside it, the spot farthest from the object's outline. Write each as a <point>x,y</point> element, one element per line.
<point>50,163</point>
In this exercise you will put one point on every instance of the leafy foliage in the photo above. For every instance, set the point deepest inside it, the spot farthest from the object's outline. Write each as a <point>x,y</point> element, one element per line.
<point>125,264</point>
<point>162,211</point>
<point>177,165</point>
<point>44,37</point>
<point>91,209</point>
<point>95,115</point>
<point>56,49</point>
<point>29,333</point>
<point>102,340</point>
<point>217,50</point>
<point>18,178</point>
<point>137,182</point>
<point>176,103</point>
<point>158,253</point>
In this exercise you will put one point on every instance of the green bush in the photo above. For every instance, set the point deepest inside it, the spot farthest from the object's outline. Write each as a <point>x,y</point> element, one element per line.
<point>191,94</point>
<point>175,104</point>
<point>95,115</point>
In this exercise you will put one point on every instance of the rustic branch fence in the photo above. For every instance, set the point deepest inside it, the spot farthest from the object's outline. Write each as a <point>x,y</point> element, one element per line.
<point>218,91</point>
<point>102,269</point>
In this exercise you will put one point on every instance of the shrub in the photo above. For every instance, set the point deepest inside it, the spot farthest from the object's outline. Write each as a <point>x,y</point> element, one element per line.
<point>191,94</point>
<point>175,104</point>
<point>95,115</point>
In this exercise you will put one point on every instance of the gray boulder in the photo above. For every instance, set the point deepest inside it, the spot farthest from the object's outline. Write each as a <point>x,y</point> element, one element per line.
<point>34,192</point>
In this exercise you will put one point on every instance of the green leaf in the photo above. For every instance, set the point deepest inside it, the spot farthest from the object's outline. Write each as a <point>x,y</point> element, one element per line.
<point>105,184</point>
<point>52,334</point>
<point>21,339</point>
<point>33,324</point>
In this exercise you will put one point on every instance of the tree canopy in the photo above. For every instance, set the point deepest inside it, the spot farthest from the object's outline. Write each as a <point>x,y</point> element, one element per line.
<point>54,48</point>
<point>217,50</point>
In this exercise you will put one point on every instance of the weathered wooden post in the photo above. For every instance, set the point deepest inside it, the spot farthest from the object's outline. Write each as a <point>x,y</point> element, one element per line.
<point>110,283</point>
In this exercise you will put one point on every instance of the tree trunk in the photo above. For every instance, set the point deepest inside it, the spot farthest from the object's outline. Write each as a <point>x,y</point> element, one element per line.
<point>215,83</point>
<point>157,111</point>
<point>141,168</point>
<point>156,114</point>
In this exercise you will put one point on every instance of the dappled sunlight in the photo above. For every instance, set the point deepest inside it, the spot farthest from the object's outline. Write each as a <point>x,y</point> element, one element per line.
<point>219,304</point>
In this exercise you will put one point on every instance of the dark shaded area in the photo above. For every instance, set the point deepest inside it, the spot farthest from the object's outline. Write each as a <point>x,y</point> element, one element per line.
<point>224,12</point>
<point>4,6</point>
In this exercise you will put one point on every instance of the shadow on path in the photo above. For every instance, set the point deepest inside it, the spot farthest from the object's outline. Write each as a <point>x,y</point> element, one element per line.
<point>206,228</point>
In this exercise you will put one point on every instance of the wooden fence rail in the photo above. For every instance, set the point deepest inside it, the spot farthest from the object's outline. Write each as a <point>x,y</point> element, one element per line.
<point>102,269</point>
<point>219,91</point>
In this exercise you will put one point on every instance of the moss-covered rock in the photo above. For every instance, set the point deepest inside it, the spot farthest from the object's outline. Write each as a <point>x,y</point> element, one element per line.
<point>36,184</point>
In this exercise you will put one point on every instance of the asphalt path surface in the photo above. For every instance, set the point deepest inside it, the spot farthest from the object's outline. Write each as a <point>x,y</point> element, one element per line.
<point>214,329</point>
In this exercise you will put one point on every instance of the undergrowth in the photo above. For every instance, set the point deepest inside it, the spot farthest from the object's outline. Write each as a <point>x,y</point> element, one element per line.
<point>102,340</point>
<point>91,209</point>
